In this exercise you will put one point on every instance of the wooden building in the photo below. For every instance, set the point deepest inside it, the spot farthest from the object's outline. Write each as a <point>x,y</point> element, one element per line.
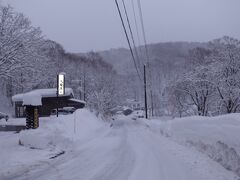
<point>49,101</point>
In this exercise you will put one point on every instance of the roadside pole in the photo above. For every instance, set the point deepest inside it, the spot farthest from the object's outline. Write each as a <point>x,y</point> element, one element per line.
<point>145,93</point>
<point>75,121</point>
<point>152,103</point>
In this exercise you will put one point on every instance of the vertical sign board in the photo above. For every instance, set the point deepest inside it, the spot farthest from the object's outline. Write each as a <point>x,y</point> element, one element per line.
<point>60,87</point>
<point>61,84</point>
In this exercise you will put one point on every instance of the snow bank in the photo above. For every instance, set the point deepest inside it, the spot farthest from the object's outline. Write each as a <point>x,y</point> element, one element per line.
<point>218,137</point>
<point>62,132</point>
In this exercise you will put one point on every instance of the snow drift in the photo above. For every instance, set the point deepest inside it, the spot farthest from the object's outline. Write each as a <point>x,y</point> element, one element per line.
<point>63,131</point>
<point>218,137</point>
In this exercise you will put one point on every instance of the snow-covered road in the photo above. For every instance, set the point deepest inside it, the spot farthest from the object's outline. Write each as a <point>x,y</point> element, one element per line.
<point>129,151</point>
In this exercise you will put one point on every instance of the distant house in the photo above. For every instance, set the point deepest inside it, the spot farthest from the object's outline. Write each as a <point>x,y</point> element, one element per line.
<point>47,100</point>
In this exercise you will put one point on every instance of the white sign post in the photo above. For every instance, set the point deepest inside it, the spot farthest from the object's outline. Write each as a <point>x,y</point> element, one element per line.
<point>61,84</point>
<point>60,87</point>
<point>75,113</point>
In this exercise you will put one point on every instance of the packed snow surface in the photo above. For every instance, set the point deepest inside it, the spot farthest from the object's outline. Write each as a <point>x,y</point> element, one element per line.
<point>83,147</point>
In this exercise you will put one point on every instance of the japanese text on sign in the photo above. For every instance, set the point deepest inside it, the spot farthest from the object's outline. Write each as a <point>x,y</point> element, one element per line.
<point>61,85</point>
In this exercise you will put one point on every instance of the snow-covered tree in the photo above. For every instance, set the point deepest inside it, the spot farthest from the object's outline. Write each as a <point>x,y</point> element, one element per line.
<point>195,88</point>
<point>101,85</point>
<point>19,41</point>
<point>226,65</point>
<point>213,72</point>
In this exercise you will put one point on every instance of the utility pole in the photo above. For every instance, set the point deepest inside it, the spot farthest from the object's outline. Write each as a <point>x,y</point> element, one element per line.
<point>145,92</point>
<point>84,86</point>
<point>152,102</point>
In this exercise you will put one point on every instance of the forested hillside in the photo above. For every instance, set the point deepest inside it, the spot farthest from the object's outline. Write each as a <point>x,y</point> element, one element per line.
<point>170,54</point>
<point>185,78</point>
<point>30,61</point>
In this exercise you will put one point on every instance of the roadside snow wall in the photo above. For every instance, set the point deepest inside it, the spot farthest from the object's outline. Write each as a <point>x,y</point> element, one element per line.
<point>62,132</point>
<point>218,137</point>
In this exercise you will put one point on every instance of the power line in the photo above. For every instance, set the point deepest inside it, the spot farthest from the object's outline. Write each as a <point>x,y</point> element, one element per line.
<point>146,48</point>
<point>143,29</point>
<point>128,40</point>
<point>136,26</point>
<point>129,44</point>
<point>131,33</point>
<point>145,41</point>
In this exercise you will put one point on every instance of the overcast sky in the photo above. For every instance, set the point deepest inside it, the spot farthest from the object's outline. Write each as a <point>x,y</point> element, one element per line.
<point>84,25</point>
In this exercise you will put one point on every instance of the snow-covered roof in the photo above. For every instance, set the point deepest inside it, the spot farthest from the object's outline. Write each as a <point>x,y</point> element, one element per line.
<point>32,98</point>
<point>35,97</point>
